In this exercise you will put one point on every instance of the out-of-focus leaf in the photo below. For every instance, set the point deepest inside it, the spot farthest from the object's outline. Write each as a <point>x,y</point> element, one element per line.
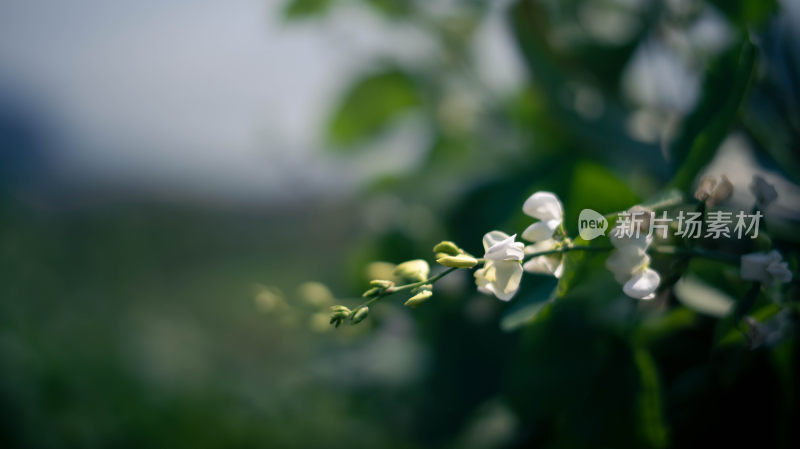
<point>392,8</point>
<point>573,268</point>
<point>664,325</point>
<point>596,187</point>
<point>746,13</point>
<point>724,89</point>
<point>531,306</point>
<point>701,297</point>
<point>370,105</point>
<point>303,9</point>
<point>652,425</point>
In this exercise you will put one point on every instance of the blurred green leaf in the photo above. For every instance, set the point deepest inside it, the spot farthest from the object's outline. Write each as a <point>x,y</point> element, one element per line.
<point>302,9</point>
<point>746,13</point>
<point>392,8</point>
<point>370,105</point>
<point>652,425</point>
<point>533,305</point>
<point>596,187</point>
<point>724,90</point>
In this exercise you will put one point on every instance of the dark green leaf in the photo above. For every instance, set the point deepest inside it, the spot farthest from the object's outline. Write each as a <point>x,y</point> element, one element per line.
<point>531,306</point>
<point>652,425</point>
<point>724,89</point>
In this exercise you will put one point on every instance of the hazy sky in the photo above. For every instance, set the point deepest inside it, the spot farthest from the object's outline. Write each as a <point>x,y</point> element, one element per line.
<point>209,96</point>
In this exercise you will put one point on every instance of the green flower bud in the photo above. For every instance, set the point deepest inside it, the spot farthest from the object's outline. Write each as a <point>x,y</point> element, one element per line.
<point>447,247</point>
<point>373,292</point>
<point>338,314</point>
<point>460,261</point>
<point>418,299</point>
<point>359,315</point>
<point>381,283</point>
<point>413,270</point>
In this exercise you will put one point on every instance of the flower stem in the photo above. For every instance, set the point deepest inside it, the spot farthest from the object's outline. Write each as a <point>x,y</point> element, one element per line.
<point>697,252</point>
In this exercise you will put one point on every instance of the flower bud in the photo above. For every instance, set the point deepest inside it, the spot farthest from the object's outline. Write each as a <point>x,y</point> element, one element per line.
<point>413,270</point>
<point>705,188</point>
<point>373,292</point>
<point>721,192</point>
<point>359,315</point>
<point>338,314</point>
<point>381,283</point>
<point>447,247</point>
<point>418,299</point>
<point>460,261</point>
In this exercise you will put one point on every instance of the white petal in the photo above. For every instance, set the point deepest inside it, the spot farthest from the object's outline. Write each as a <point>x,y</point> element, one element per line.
<point>623,262</point>
<point>509,275</point>
<point>544,206</point>
<point>542,245</point>
<point>541,230</point>
<point>642,285</point>
<point>552,264</point>
<point>492,238</point>
<point>506,249</point>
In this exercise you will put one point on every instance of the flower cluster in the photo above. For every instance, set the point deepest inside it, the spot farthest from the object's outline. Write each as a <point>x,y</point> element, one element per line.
<point>505,260</point>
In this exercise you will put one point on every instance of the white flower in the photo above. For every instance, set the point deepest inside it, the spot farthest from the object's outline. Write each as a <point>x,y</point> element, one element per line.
<point>624,262</point>
<point>545,207</point>
<point>502,272</point>
<point>552,264</point>
<point>765,192</point>
<point>643,284</point>
<point>767,268</point>
<point>630,265</point>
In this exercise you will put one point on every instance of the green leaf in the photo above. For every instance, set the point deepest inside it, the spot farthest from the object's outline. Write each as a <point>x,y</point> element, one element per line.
<point>652,425</point>
<point>596,187</point>
<point>533,306</point>
<point>303,9</point>
<point>746,13</point>
<point>725,89</point>
<point>370,105</point>
<point>703,298</point>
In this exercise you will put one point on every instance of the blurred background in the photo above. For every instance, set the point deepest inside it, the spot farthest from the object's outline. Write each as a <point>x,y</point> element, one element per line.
<point>185,187</point>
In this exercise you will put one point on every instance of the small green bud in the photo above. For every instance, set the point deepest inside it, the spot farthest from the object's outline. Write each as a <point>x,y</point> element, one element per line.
<point>447,247</point>
<point>359,315</point>
<point>418,299</point>
<point>381,283</point>
<point>460,261</point>
<point>413,270</point>
<point>373,292</point>
<point>338,314</point>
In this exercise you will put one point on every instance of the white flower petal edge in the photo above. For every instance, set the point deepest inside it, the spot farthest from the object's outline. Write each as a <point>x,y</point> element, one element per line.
<point>630,265</point>
<point>500,278</point>
<point>546,207</point>
<point>552,264</point>
<point>643,285</point>
<point>541,230</point>
<point>506,249</point>
<point>502,271</point>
